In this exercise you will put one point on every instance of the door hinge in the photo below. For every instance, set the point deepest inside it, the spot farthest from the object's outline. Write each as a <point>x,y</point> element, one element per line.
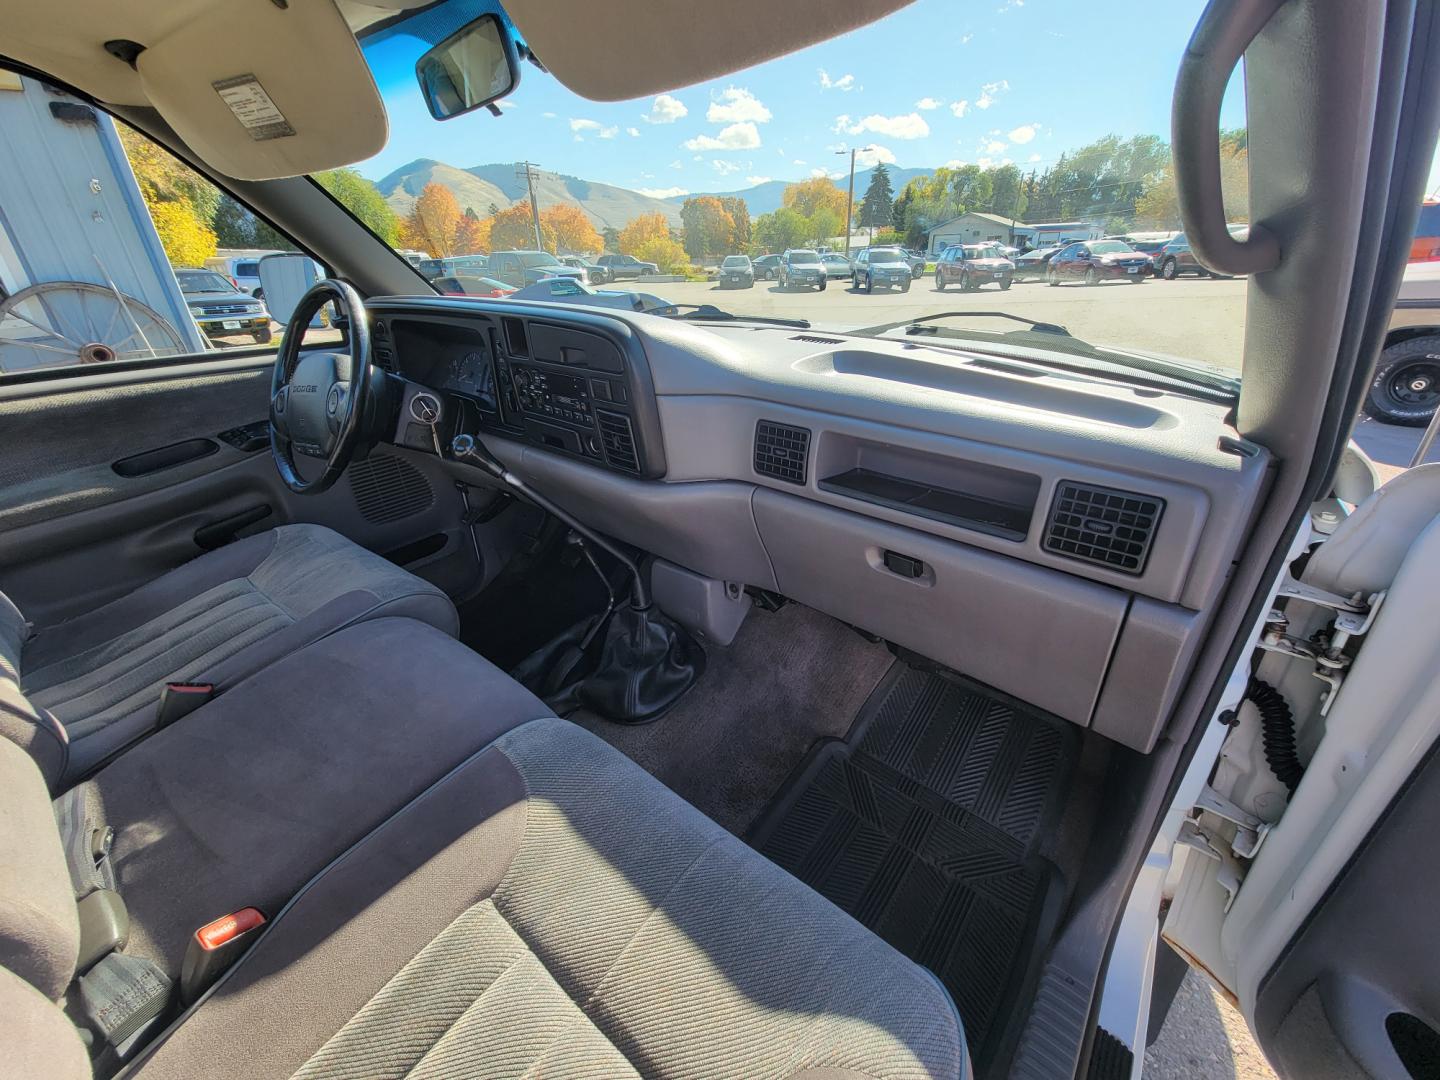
<point>1325,649</point>
<point>1204,836</point>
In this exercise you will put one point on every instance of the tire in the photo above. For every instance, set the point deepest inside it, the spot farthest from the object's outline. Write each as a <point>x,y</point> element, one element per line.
<point>263,337</point>
<point>1405,389</point>
<point>1090,277</point>
<point>823,282</point>
<point>869,284</point>
<point>965,285</point>
<point>1051,277</point>
<point>1004,284</point>
<point>1169,270</point>
<point>939,282</point>
<point>905,287</point>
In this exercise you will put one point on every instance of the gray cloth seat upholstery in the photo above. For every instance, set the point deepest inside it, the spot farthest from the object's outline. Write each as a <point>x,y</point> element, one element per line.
<point>544,909</point>
<point>91,684</point>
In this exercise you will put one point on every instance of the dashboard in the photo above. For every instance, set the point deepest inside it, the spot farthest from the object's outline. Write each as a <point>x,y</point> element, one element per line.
<point>1059,536</point>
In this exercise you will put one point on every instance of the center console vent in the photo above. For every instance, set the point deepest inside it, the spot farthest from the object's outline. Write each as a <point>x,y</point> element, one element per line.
<point>1102,525</point>
<point>618,440</point>
<point>781,451</point>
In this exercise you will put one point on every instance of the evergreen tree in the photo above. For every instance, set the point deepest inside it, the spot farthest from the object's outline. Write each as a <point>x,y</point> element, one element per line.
<point>900,209</point>
<point>878,204</point>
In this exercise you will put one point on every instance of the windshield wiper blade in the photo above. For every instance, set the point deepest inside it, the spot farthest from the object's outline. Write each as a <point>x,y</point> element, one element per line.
<point>919,325</point>
<point>710,313</point>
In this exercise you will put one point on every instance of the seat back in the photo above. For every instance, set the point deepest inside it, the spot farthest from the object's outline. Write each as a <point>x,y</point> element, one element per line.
<point>1365,551</point>
<point>39,925</point>
<point>22,723</point>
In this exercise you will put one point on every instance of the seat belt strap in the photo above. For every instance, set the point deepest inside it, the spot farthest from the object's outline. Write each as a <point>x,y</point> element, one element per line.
<point>123,996</point>
<point>87,843</point>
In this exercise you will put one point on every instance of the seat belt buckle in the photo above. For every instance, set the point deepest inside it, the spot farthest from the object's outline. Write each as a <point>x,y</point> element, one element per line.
<point>179,699</point>
<point>213,948</point>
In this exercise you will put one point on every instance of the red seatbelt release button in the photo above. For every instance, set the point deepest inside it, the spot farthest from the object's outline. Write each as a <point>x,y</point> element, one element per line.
<point>225,930</point>
<point>213,948</point>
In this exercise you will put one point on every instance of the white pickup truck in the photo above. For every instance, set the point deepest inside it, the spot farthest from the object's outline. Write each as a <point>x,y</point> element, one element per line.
<point>1406,386</point>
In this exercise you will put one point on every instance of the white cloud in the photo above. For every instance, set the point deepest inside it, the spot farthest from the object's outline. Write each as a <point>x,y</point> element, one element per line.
<point>909,126</point>
<point>610,132</point>
<point>735,106</point>
<point>986,163</point>
<point>965,38</point>
<point>1022,134</point>
<point>581,126</point>
<point>677,164</point>
<point>743,136</point>
<point>798,161</point>
<point>928,103</point>
<point>844,82</point>
<point>1033,157</point>
<point>548,115</point>
<point>506,103</point>
<point>633,132</point>
<point>960,108</point>
<point>955,163</point>
<point>725,168</point>
<point>989,92</point>
<point>666,110</point>
<point>864,159</point>
<point>757,179</point>
<point>818,172</point>
<point>663,192</point>
<point>585,125</point>
<point>994,146</point>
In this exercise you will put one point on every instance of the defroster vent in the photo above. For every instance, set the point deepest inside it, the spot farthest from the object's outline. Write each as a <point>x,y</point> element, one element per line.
<point>618,440</point>
<point>781,451</point>
<point>1102,525</point>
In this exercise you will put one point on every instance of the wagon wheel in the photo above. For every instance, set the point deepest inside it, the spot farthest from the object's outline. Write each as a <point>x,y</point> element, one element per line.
<point>75,322</point>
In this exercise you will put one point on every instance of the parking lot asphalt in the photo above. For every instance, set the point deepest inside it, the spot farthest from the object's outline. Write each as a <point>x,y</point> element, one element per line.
<point>1191,319</point>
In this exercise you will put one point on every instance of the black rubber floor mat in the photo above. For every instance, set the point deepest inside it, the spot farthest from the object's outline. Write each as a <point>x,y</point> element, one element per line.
<point>923,824</point>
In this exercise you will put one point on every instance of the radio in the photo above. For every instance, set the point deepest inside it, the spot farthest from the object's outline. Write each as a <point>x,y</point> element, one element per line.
<point>552,395</point>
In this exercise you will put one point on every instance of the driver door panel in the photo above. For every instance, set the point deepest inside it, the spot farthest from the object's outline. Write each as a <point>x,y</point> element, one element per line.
<point>107,481</point>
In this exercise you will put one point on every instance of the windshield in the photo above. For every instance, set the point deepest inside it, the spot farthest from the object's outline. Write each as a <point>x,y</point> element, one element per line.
<point>202,281</point>
<point>976,152</point>
<point>736,261</point>
<point>1110,247</point>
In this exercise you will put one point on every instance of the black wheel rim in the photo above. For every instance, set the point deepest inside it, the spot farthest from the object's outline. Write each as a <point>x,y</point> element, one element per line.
<point>1414,386</point>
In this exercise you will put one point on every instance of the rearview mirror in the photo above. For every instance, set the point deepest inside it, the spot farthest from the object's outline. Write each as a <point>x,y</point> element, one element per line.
<point>475,66</point>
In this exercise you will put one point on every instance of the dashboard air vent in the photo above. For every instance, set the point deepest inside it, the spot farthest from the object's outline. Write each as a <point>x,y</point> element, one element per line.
<point>516,338</point>
<point>1102,525</point>
<point>618,441</point>
<point>781,451</point>
<point>388,488</point>
<point>816,339</point>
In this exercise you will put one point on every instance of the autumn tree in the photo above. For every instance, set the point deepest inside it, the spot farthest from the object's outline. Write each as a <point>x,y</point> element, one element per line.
<point>186,239</point>
<point>643,230</point>
<point>808,196</point>
<point>432,221</point>
<point>182,203</point>
<point>574,234</point>
<point>512,228</point>
<point>739,212</point>
<point>472,233</point>
<point>363,199</point>
<point>665,252</point>
<point>709,228</point>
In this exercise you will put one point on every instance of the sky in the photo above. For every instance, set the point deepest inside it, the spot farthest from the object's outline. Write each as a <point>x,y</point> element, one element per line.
<point>941,82</point>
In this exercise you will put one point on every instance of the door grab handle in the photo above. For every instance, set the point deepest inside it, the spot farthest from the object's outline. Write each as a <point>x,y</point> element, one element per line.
<point>1224,32</point>
<point>219,533</point>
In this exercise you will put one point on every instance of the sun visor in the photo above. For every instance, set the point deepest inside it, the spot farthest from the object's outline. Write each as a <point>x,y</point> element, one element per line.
<point>262,91</point>
<point>631,48</point>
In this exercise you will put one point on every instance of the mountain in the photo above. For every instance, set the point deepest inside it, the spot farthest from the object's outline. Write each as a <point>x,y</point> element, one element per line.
<point>768,197</point>
<point>482,186</point>
<point>479,187</point>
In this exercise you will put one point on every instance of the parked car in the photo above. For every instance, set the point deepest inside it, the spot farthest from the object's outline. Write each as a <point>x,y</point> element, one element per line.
<point>1094,261</point>
<point>802,268</point>
<point>884,266</point>
<point>595,274</point>
<point>918,260</point>
<point>1176,258</point>
<point>221,309</point>
<point>973,265</point>
<point>1035,263</point>
<point>242,270</point>
<point>737,272</point>
<point>626,267</point>
<point>521,268</point>
<point>469,285</point>
<point>1425,247</point>
<point>1405,388</point>
<point>837,266</point>
<point>767,267</point>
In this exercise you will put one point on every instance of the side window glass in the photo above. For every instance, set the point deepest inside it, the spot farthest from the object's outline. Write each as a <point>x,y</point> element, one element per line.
<point>113,249</point>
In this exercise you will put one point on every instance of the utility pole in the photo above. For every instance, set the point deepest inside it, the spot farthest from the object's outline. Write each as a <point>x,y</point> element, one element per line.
<point>529,172</point>
<point>850,200</point>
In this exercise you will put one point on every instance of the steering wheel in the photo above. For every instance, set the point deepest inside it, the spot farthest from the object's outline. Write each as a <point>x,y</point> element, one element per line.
<point>318,402</point>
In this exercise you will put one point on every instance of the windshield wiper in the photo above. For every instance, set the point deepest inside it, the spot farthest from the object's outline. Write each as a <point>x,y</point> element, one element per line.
<point>710,313</point>
<point>918,325</point>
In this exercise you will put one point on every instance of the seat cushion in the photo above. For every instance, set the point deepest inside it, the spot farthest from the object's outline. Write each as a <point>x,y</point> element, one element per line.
<point>244,800</point>
<point>550,909</point>
<point>216,619</point>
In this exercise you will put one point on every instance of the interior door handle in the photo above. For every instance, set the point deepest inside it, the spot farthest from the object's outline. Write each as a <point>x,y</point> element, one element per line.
<point>219,533</point>
<point>1224,32</point>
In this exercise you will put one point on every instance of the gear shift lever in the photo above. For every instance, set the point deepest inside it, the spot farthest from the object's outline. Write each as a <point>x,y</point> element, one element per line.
<point>645,661</point>
<point>472,451</point>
